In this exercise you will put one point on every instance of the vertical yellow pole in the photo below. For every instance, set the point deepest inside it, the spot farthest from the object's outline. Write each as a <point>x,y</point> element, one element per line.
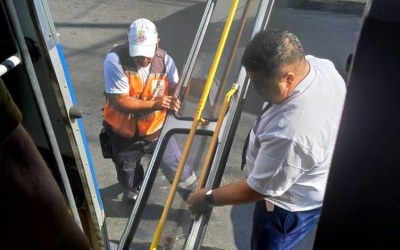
<point>214,139</point>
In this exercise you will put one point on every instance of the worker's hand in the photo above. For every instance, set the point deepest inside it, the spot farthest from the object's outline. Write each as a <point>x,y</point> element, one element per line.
<point>196,203</point>
<point>168,102</point>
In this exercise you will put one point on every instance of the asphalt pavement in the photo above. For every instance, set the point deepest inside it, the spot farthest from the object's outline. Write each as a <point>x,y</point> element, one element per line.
<point>88,29</point>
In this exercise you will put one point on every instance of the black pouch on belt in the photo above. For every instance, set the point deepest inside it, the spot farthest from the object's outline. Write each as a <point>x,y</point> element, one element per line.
<point>105,144</point>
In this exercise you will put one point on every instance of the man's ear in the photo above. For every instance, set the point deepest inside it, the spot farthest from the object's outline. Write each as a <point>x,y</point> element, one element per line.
<point>290,77</point>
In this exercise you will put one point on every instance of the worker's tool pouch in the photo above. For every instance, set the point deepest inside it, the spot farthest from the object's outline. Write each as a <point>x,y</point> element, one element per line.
<point>105,143</point>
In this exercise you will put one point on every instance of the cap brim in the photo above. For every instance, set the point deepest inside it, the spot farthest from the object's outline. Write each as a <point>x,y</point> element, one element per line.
<point>142,50</point>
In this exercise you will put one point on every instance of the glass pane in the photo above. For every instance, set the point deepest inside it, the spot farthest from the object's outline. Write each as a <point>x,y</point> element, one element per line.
<point>228,69</point>
<point>179,219</point>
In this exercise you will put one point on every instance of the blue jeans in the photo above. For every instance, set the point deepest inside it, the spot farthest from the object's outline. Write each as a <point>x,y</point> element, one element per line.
<point>280,229</point>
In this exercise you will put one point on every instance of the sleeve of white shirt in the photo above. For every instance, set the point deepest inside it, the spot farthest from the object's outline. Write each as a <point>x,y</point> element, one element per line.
<point>172,72</point>
<point>278,165</point>
<point>115,80</point>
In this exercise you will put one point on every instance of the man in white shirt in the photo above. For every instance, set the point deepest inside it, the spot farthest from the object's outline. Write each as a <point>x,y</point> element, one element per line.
<point>290,145</point>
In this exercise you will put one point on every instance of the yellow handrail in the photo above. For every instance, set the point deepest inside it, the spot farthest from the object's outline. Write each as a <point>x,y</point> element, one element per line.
<point>196,121</point>
<point>214,139</point>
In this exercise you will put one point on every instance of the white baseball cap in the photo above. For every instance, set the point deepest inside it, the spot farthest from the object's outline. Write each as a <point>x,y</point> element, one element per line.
<point>142,38</point>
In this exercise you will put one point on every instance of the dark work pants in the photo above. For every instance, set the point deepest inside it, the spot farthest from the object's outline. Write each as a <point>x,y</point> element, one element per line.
<point>280,229</point>
<point>129,174</point>
<point>127,154</point>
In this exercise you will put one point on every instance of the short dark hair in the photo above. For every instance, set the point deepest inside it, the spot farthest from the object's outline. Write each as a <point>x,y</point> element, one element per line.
<point>270,50</point>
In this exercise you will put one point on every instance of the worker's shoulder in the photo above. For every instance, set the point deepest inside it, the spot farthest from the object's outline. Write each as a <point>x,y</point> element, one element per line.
<point>119,49</point>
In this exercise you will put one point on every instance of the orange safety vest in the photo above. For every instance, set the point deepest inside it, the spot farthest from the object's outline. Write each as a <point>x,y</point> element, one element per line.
<point>145,125</point>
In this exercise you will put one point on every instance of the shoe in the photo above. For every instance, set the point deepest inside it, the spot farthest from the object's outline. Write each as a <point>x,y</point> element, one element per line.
<point>189,184</point>
<point>131,195</point>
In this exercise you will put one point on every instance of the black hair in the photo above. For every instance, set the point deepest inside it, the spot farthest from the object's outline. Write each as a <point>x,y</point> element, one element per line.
<point>270,50</point>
